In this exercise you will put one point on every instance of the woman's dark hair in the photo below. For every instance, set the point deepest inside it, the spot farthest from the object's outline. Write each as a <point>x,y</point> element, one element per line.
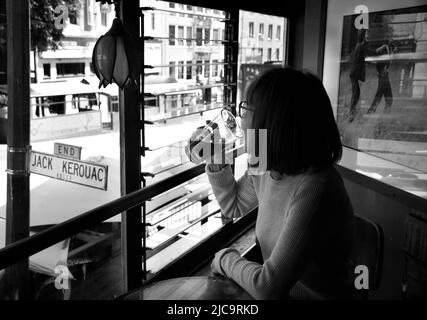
<point>296,111</point>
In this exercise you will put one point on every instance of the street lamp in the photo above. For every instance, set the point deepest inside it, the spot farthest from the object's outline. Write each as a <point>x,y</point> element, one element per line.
<point>117,55</point>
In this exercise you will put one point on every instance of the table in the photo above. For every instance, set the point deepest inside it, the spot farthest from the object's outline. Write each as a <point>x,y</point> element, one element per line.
<point>190,288</point>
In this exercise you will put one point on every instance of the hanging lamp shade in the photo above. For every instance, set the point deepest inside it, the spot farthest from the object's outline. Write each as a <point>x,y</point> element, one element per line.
<point>117,57</point>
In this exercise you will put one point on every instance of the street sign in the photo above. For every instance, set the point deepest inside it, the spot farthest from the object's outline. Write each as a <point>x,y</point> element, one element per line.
<point>81,172</point>
<point>67,151</point>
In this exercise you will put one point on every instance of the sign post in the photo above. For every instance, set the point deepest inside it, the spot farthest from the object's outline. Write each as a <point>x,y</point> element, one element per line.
<point>85,173</point>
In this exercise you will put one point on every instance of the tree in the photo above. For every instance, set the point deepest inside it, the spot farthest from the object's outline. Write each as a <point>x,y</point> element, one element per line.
<point>44,34</point>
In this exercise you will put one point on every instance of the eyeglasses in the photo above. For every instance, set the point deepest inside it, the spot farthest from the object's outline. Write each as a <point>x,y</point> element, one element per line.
<point>243,109</point>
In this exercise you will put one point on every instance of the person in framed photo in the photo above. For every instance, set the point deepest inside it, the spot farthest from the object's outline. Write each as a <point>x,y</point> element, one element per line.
<point>357,70</point>
<point>384,86</point>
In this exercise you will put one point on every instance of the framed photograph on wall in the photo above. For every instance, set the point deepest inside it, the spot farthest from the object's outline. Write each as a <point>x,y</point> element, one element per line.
<point>382,95</point>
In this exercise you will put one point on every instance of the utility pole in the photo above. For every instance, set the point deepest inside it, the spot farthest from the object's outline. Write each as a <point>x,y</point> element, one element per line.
<point>18,140</point>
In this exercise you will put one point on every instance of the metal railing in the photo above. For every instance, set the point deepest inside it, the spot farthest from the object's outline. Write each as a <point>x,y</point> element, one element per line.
<point>24,248</point>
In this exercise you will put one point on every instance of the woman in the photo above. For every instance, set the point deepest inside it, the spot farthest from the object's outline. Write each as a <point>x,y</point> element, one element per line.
<point>304,217</point>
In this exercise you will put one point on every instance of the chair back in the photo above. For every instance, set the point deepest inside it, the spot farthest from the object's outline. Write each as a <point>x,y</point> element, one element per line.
<point>367,249</point>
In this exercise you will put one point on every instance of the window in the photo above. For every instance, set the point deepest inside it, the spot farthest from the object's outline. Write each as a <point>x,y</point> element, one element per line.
<point>189,70</point>
<point>89,12</point>
<point>207,69</point>
<point>269,54</point>
<point>73,15</point>
<point>180,35</point>
<point>171,5</point>
<point>270,31</point>
<point>215,35</point>
<point>200,9</point>
<point>214,68</point>
<point>181,6</point>
<point>207,35</point>
<point>171,35</point>
<point>278,32</point>
<point>172,69</point>
<point>199,36</point>
<point>260,52</point>
<point>180,69</point>
<point>189,35</point>
<point>153,20</point>
<point>278,54</point>
<point>199,67</point>
<point>190,8</point>
<point>70,69</point>
<point>215,11</point>
<point>251,29</point>
<point>46,70</point>
<point>261,30</point>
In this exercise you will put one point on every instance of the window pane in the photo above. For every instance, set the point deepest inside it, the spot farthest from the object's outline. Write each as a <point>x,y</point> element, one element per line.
<point>171,35</point>
<point>181,35</point>
<point>189,35</point>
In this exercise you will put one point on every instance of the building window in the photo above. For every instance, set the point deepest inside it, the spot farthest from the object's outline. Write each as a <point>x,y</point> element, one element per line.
<point>269,54</point>
<point>180,69</point>
<point>89,12</point>
<point>189,35</point>
<point>270,31</point>
<point>260,52</point>
<point>279,30</point>
<point>70,69</point>
<point>207,67</point>
<point>171,35</point>
<point>190,8</point>
<point>214,68</point>
<point>180,35</point>
<point>199,67</point>
<point>215,35</point>
<point>46,70</point>
<point>207,35</point>
<point>171,5</point>
<point>189,70</point>
<point>215,11</point>
<point>199,36</point>
<point>278,54</point>
<point>251,29</point>
<point>73,15</point>
<point>181,6</point>
<point>153,21</point>
<point>261,30</point>
<point>253,52</point>
<point>171,69</point>
<point>200,9</point>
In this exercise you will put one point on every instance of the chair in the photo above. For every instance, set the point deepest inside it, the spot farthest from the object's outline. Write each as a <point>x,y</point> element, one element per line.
<point>367,249</point>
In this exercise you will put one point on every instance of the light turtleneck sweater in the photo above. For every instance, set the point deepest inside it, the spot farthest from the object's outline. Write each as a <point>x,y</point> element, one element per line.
<point>303,227</point>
